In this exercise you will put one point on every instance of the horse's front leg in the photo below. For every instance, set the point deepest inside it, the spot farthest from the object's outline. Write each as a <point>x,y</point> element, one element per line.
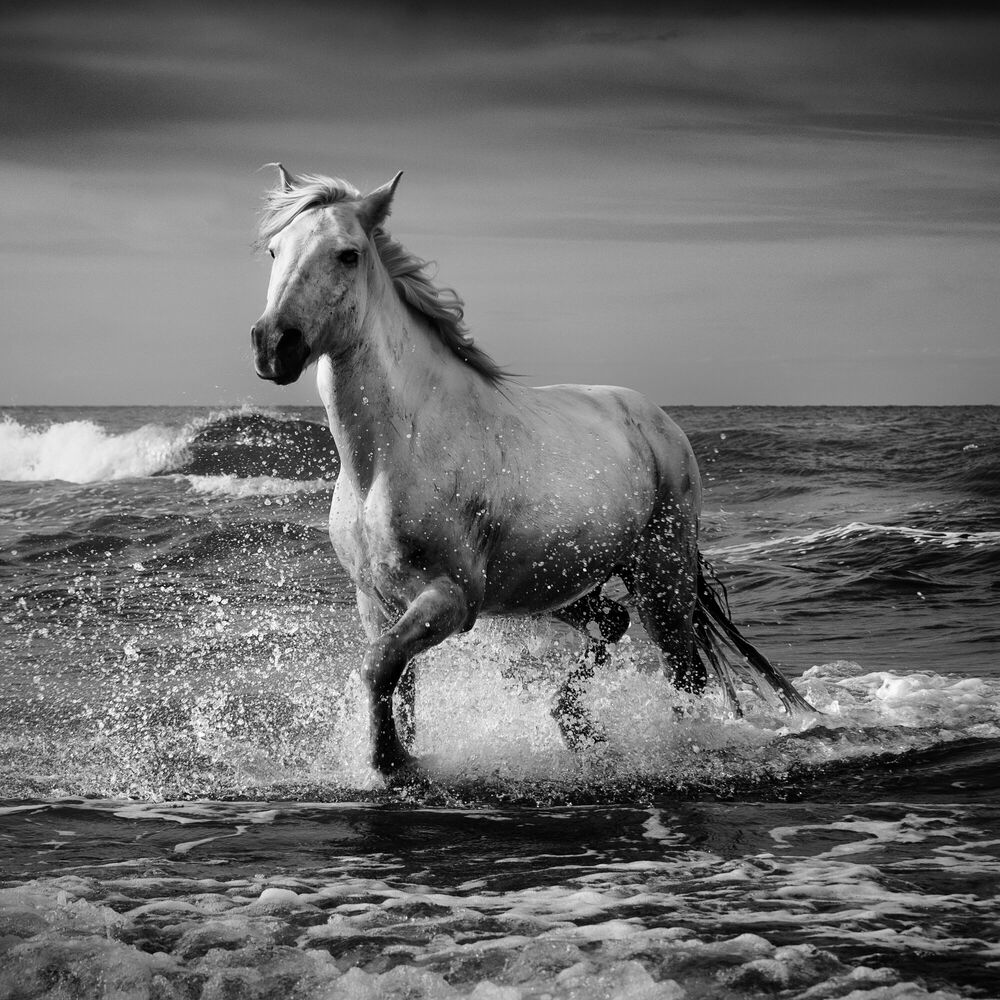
<point>406,706</point>
<point>435,613</point>
<point>376,622</point>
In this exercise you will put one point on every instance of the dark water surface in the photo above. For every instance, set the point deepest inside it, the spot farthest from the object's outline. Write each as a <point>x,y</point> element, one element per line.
<point>185,808</point>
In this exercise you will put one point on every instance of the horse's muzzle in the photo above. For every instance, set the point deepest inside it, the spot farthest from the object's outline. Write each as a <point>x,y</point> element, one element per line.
<point>279,355</point>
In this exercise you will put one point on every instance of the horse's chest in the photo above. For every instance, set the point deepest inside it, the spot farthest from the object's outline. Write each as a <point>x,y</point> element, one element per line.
<point>362,534</point>
<point>347,530</point>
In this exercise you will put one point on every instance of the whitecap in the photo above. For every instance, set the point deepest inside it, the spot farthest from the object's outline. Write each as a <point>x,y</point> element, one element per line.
<point>81,451</point>
<point>856,529</point>
<point>254,486</point>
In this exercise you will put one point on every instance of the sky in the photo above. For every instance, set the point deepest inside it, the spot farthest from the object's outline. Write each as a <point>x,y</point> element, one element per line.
<point>754,205</point>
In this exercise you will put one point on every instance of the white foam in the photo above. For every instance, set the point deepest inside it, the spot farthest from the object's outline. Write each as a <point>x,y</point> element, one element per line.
<point>189,845</point>
<point>950,705</point>
<point>253,486</point>
<point>80,451</point>
<point>793,924</point>
<point>655,829</point>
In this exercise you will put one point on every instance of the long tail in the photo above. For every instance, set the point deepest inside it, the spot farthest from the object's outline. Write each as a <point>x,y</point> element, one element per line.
<point>730,655</point>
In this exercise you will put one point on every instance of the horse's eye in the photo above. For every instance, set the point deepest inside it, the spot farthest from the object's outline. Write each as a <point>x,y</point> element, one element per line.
<point>348,257</point>
<point>271,252</point>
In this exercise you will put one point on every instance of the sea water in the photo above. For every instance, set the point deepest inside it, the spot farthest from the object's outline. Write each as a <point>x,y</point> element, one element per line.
<point>186,808</point>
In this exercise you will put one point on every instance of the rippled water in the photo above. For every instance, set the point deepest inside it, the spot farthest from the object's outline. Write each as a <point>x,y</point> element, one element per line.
<point>185,807</point>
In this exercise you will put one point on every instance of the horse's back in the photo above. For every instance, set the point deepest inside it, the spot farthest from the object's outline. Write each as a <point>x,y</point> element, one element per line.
<point>624,415</point>
<point>599,471</point>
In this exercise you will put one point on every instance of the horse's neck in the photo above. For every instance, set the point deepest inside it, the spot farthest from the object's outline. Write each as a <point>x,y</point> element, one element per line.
<point>381,391</point>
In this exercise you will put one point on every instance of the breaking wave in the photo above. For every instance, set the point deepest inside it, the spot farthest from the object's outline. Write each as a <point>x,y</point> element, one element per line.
<point>81,451</point>
<point>244,443</point>
<point>858,532</point>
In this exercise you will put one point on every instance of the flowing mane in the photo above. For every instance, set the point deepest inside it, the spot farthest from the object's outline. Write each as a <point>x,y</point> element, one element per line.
<point>443,307</point>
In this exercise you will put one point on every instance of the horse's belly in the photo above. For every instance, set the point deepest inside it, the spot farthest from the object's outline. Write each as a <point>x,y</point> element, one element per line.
<point>535,575</point>
<point>532,596</point>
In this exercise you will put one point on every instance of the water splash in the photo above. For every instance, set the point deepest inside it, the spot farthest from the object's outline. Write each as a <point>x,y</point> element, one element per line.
<point>161,682</point>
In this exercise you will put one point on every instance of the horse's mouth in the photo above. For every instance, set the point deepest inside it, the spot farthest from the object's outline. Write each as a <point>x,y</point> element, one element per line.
<point>281,379</point>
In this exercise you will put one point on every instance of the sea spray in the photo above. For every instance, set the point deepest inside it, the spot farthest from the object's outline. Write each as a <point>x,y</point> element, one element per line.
<point>259,705</point>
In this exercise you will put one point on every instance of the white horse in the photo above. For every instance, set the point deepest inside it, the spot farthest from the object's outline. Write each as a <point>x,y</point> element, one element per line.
<point>463,492</point>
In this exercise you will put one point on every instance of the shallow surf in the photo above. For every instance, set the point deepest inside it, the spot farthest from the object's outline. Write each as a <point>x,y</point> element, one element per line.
<point>186,808</point>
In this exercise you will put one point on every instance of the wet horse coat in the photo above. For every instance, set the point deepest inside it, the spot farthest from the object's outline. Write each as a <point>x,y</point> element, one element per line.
<point>463,492</point>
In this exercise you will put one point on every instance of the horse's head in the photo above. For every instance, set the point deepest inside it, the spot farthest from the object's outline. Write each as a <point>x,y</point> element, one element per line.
<point>318,231</point>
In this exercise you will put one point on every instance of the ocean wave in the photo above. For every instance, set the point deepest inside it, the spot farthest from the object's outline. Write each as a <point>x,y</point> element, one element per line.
<point>254,486</point>
<point>244,443</point>
<point>249,443</point>
<point>241,541</point>
<point>81,451</point>
<point>856,531</point>
<point>872,446</point>
<point>862,563</point>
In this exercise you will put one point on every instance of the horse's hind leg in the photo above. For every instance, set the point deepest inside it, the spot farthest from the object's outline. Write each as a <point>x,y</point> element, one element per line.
<point>601,621</point>
<point>663,582</point>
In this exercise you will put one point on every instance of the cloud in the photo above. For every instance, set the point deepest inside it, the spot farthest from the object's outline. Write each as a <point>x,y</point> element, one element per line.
<point>745,126</point>
<point>122,64</point>
<point>741,179</point>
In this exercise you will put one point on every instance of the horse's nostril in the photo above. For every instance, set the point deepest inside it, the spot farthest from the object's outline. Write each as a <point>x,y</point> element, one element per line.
<point>291,352</point>
<point>290,337</point>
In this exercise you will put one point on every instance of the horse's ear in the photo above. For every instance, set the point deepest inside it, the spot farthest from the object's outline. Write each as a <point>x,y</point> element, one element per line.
<point>285,179</point>
<point>374,208</point>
